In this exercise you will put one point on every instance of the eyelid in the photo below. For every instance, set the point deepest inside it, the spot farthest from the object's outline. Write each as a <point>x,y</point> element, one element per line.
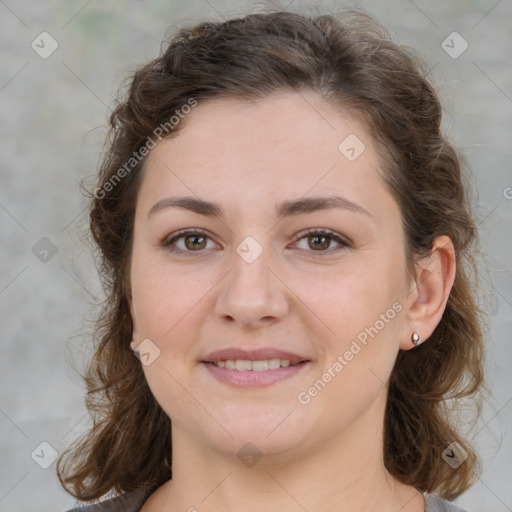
<point>342,241</point>
<point>323,231</point>
<point>182,233</point>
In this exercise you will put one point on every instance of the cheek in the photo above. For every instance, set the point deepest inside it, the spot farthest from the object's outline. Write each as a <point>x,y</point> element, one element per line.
<point>363,313</point>
<point>163,297</point>
<point>350,298</point>
<point>341,301</point>
<point>166,305</point>
<point>361,309</point>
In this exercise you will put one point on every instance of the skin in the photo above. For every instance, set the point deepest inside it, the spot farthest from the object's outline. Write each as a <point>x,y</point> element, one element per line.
<point>325,455</point>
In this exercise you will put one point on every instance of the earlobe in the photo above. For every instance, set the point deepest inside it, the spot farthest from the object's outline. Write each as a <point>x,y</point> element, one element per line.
<point>435,275</point>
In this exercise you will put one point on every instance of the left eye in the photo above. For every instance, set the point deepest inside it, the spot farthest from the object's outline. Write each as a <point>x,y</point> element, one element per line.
<point>196,240</point>
<point>322,239</point>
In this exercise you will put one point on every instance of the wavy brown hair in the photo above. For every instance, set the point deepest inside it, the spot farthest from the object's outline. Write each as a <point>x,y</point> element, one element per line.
<point>351,62</point>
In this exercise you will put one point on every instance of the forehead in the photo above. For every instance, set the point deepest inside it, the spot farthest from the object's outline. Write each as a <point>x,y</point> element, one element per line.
<point>229,128</point>
<point>285,145</point>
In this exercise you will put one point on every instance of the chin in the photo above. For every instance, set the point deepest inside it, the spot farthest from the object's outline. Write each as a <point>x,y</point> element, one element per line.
<point>270,431</point>
<point>250,445</point>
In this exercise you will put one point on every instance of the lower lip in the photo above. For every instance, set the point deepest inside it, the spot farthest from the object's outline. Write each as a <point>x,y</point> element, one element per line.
<point>252,378</point>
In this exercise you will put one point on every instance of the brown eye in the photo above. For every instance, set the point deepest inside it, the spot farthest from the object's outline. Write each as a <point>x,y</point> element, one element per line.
<point>193,242</point>
<point>319,241</point>
<point>186,242</point>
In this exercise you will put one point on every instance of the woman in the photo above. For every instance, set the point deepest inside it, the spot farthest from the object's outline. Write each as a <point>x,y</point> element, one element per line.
<point>287,243</point>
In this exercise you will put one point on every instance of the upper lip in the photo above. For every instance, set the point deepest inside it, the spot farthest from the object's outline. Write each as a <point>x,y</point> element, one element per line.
<point>259,354</point>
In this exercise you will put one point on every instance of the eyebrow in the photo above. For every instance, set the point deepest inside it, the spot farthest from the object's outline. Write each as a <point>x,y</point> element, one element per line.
<point>284,209</point>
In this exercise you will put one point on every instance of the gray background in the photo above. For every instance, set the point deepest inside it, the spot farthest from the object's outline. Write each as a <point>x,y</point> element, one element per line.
<point>53,119</point>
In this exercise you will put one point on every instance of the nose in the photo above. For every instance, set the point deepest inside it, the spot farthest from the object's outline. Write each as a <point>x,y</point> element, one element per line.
<point>252,294</point>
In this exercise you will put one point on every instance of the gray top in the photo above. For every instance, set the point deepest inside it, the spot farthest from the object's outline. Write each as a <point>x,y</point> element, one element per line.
<point>133,501</point>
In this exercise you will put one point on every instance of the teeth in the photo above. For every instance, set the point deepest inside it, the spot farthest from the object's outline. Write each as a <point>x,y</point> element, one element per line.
<point>240,364</point>
<point>258,366</point>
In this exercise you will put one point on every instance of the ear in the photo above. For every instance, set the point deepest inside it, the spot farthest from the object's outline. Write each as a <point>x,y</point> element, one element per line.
<point>426,301</point>
<point>133,343</point>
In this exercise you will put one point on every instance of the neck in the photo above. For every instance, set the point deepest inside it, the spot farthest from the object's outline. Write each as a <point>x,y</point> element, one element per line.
<point>344,473</point>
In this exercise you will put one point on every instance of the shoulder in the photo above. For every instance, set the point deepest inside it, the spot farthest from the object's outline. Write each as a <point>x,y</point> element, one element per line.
<point>436,504</point>
<point>129,502</point>
<point>133,501</point>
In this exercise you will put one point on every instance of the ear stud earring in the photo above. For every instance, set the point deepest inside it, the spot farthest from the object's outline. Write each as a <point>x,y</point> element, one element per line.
<point>415,338</point>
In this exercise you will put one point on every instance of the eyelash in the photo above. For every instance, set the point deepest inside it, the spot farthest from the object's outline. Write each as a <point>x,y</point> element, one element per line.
<point>167,242</point>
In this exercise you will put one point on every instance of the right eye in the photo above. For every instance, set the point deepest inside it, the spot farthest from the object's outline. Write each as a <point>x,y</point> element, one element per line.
<point>193,239</point>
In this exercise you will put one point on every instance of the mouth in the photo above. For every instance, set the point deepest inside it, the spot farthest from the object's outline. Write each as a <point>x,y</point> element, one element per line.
<point>254,368</point>
<point>266,358</point>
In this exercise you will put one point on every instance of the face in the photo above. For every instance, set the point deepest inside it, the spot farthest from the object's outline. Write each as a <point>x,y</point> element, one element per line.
<point>326,285</point>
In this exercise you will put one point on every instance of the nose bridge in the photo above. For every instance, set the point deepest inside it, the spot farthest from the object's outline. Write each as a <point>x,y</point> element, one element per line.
<point>251,292</point>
